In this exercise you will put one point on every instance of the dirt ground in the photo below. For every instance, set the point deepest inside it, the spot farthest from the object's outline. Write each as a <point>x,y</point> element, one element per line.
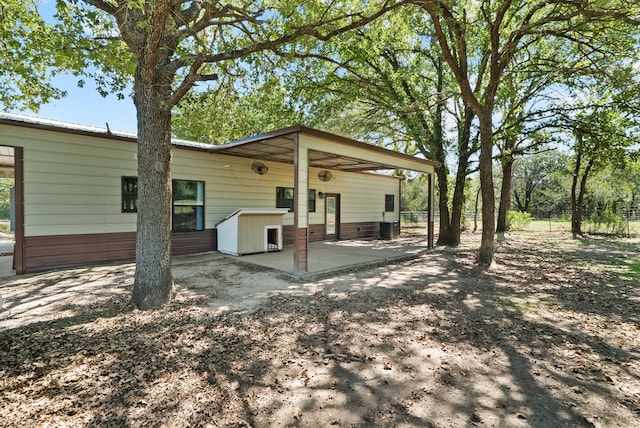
<point>548,337</point>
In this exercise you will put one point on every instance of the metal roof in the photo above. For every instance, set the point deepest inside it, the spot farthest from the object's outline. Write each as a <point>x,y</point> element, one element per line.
<point>276,146</point>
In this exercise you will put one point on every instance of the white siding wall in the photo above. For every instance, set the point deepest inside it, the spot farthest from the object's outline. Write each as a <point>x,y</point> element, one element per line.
<point>362,197</point>
<point>227,189</point>
<point>73,184</point>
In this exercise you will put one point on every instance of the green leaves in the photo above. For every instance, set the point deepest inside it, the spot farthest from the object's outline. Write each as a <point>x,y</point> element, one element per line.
<point>26,43</point>
<point>88,45</point>
<point>227,111</point>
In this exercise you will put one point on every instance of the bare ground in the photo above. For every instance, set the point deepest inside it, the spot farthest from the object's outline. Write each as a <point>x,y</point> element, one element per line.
<point>549,337</point>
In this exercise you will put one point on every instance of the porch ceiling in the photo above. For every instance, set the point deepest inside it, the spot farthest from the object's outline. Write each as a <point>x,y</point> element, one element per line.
<point>278,147</point>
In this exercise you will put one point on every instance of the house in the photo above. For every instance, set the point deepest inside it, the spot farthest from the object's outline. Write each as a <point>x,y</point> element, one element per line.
<point>75,192</point>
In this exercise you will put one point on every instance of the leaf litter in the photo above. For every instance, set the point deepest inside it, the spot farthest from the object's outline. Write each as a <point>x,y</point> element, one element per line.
<point>548,337</point>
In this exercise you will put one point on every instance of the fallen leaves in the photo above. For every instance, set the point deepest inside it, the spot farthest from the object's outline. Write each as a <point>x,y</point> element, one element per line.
<point>538,337</point>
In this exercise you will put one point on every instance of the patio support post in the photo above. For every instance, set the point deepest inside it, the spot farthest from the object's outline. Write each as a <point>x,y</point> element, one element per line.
<point>300,206</point>
<point>400,182</point>
<point>431,221</point>
<point>19,246</point>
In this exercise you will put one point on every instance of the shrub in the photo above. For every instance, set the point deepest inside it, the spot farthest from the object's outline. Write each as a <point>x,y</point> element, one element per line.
<point>606,222</point>
<point>517,220</point>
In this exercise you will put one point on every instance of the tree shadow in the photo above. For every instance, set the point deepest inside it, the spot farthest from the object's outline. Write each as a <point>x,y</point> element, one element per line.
<point>429,342</point>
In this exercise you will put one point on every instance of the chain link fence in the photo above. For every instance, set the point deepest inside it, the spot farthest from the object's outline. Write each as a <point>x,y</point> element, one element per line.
<point>621,222</point>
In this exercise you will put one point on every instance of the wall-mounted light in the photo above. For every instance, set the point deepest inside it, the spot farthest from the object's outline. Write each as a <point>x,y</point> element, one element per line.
<point>321,195</point>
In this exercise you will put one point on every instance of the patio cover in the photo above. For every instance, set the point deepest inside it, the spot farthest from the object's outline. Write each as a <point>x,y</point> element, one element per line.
<point>323,150</point>
<point>278,146</point>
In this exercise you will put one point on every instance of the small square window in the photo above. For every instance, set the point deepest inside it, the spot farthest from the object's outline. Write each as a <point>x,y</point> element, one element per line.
<point>389,203</point>
<point>284,198</point>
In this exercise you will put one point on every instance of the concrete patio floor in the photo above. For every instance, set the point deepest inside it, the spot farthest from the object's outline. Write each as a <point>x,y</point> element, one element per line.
<point>324,258</point>
<point>329,257</point>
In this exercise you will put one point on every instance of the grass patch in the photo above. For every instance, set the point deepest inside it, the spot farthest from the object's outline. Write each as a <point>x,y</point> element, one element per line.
<point>518,305</point>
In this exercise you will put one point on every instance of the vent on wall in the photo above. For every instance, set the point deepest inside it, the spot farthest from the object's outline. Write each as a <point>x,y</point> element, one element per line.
<point>259,167</point>
<point>325,175</point>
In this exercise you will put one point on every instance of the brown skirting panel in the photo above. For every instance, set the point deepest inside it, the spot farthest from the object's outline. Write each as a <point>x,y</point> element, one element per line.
<point>49,252</point>
<point>288,232</point>
<point>194,242</point>
<point>316,233</point>
<point>364,230</point>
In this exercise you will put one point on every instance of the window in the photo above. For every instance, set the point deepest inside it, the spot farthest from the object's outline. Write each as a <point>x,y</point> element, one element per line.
<point>284,198</point>
<point>188,205</point>
<point>389,203</point>
<point>312,200</point>
<point>129,194</point>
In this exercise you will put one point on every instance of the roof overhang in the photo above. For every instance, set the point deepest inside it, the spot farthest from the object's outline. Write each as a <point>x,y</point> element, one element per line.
<point>278,146</point>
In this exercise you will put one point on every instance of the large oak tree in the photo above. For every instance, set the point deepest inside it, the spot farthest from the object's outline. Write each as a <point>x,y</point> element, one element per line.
<point>388,83</point>
<point>176,44</point>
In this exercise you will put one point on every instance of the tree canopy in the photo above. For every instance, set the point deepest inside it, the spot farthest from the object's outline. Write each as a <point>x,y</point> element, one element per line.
<point>27,47</point>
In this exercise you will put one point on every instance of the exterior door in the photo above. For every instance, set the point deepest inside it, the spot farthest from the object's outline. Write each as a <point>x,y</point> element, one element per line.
<point>331,216</point>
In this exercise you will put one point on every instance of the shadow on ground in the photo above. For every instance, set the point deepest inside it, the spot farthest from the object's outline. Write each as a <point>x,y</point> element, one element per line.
<point>537,341</point>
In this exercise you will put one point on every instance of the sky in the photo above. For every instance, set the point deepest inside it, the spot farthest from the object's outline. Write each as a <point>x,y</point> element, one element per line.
<point>86,106</point>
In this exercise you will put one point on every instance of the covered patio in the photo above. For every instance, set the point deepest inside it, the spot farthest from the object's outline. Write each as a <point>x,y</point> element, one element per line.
<point>329,257</point>
<point>304,148</point>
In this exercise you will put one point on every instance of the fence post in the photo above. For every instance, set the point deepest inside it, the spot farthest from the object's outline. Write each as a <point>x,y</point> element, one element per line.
<point>628,230</point>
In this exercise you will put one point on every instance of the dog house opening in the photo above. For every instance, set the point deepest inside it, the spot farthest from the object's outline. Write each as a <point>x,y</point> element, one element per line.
<point>273,237</point>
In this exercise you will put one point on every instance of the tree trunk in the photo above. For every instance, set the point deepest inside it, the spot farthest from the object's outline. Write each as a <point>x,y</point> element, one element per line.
<point>153,285</point>
<point>465,150</point>
<point>518,201</point>
<point>576,208</point>
<point>577,201</point>
<point>505,195</point>
<point>444,229</point>
<point>457,204</point>
<point>444,235</point>
<point>475,211</point>
<point>485,256</point>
